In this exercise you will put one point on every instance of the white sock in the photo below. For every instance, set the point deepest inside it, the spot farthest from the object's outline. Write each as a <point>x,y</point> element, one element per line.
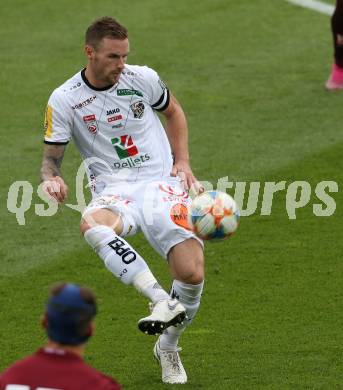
<point>146,283</point>
<point>124,262</point>
<point>189,295</point>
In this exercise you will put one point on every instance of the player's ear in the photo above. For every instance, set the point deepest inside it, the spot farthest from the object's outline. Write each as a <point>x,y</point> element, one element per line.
<point>44,321</point>
<point>89,51</point>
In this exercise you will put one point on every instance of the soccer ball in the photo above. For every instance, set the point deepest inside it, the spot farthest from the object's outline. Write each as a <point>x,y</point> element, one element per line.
<point>213,215</point>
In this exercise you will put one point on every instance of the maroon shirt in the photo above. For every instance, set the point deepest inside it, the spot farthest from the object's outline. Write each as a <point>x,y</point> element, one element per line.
<point>56,369</point>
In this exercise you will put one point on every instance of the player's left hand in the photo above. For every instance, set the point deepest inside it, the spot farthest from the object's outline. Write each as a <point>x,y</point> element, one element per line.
<point>183,170</point>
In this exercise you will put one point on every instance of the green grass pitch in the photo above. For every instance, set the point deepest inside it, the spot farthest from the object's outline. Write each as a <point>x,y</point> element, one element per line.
<point>250,76</point>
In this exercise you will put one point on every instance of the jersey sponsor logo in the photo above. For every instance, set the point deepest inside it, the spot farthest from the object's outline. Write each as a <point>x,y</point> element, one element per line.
<point>179,215</point>
<point>128,72</point>
<point>84,103</point>
<point>89,117</point>
<point>127,255</point>
<point>126,92</point>
<point>131,162</point>
<point>91,123</point>
<point>137,109</point>
<point>75,86</point>
<point>114,118</point>
<point>114,111</point>
<point>117,126</point>
<point>124,146</point>
<point>127,151</point>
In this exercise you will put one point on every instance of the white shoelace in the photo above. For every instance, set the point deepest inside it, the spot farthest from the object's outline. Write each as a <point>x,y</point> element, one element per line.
<point>173,359</point>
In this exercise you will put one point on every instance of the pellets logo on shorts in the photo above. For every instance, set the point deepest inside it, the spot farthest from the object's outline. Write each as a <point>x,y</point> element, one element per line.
<point>126,254</point>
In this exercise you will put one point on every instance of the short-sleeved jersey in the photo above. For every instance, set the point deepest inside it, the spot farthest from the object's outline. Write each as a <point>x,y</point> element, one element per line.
<point>55,369</point>
<point>118,126</point>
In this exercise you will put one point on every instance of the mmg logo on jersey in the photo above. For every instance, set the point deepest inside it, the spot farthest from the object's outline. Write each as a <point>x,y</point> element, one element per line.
<point>126,150</point>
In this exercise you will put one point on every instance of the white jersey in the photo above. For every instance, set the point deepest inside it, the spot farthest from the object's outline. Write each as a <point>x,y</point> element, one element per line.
<point>116,126</point>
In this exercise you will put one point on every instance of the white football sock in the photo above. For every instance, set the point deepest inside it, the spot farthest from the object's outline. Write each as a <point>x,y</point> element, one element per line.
<point>189,295</point>
<point>124,262</point>
<point>146,283</point>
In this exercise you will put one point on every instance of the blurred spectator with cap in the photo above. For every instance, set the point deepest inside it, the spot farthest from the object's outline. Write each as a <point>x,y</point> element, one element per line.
<point>59,365</point>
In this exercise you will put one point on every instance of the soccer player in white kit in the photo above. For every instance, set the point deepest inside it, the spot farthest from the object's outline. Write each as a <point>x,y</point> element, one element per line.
<point>139,175</point>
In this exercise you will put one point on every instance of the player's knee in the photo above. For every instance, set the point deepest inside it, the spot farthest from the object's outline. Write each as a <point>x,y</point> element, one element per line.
<point>187,262</point>
<point>101,217</point>
<point>194,273</point>
<point>196,277</point>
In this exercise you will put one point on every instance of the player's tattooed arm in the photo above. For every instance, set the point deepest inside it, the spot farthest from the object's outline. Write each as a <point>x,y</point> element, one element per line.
<point>50,172</point>
<point>52,161</point>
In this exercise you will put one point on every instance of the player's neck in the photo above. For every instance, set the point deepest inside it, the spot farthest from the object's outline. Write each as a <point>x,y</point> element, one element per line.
<point>77,349</point>
<point>92,80</point>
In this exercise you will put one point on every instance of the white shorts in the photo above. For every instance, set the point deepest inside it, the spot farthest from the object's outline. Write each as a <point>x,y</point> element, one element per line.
<point>158,209</point>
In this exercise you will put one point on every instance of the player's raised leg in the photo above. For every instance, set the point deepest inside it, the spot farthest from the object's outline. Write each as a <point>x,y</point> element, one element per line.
<point>186,263</point>
<point>103,230</point>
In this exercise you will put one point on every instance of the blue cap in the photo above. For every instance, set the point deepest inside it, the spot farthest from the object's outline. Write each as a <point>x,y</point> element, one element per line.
<point>65,311</point>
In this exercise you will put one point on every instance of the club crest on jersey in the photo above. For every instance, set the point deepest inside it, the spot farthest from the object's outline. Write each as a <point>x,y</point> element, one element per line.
<point>91,123</point>
<point>137,109</point>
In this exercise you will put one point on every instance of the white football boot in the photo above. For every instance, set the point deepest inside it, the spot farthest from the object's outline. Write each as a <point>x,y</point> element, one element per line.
<point>172,369</point>
<point>164,313</point>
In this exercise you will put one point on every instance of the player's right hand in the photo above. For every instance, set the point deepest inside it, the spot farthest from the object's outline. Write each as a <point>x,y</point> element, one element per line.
<point>56,188</point>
